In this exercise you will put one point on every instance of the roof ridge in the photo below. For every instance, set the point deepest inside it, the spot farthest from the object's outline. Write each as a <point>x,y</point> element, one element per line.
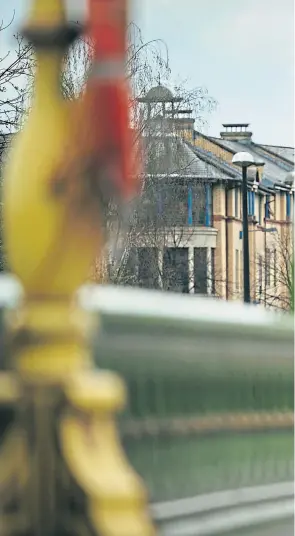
<point>280,159</point>
<point>278,146</point>
<point>224,165</point>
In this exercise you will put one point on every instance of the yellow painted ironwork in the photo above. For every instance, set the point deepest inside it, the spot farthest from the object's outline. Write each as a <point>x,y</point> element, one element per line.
<point>62,469</point>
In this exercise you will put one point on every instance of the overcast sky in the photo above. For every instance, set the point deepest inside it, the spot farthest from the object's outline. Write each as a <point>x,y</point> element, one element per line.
<point>241,50</point>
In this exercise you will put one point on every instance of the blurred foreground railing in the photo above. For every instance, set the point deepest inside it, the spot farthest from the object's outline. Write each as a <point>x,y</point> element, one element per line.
<point>209,424</point>
<point>210,407</point>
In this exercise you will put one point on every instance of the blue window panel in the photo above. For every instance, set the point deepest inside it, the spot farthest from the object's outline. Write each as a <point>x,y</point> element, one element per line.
<point>207,205</point>
<point>253,203</point>
<point>249,203</point>
<point>288,208</point>
<point>190,206</point>
<point>267,212</point>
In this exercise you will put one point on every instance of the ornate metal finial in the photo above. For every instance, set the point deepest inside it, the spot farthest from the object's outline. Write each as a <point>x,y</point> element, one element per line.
<point>62,470</point>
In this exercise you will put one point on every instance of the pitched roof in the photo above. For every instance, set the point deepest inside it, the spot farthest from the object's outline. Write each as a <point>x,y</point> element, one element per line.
<point>176,157</point>
<point>275,170</point>
<point>285,152</point>
<point>225,170</point>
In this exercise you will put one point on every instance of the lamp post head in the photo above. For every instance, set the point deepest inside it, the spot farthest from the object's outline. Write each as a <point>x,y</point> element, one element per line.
<point>243,159</point>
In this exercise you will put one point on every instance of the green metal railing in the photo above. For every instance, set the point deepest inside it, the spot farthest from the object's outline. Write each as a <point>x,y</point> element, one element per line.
<point>209,424</point>
<point>210,391</point>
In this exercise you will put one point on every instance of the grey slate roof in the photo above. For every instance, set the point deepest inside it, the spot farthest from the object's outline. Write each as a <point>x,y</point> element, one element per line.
<point>285,152</point>
<point>225,170</point>
<point>274,170</point>
<point>202,168</point>
<point>177,157</point>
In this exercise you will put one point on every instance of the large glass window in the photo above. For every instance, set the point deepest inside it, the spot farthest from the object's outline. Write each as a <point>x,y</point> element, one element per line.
<point>200,270</point>
<point>213,277</point>
<point>148,267</point>
<point>129,269</point>
<point>175,196</point>
<point>175,270</point>
<point>267,207</point>
<point>260,211</point>
<point>150,205</point>
<point>199,203</point>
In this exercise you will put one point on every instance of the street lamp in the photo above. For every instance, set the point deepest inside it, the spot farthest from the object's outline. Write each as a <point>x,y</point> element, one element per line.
<point>245,160</point>
<point>264,230</point>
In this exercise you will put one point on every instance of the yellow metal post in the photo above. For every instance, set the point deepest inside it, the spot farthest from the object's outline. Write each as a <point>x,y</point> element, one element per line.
<point>62,469</point>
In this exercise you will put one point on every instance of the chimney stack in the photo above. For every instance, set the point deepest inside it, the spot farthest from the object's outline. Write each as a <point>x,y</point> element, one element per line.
<point>236,132</point>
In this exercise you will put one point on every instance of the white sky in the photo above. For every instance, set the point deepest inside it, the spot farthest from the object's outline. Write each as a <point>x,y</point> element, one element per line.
<point>241,50</point>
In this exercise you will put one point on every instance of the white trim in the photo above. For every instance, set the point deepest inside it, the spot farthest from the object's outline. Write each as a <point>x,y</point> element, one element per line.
<point>229,521</point>
<point>224,499</point>
<point>112,300</point>
<point>218,513</point>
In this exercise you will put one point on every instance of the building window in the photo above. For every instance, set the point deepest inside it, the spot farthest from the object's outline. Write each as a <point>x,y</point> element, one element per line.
<point>237,270</point>
<point>260,214</point>
<point>190,206</point>
<point>200,270</point>
<point>148,267</point>
<point>175,270</point>
<point>208,205</point>
<point>267,208</point>
<point>270,207</point>
<point>267,267</point>
<point>251,203</point>
<point>200,196</point>
<point>213,282</point>
<point>237,196</point>
<point>130,268</point>
<point>273,208</point>
<point>275,267</point>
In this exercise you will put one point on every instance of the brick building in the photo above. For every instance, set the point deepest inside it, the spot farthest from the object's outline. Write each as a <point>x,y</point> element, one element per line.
<point>191,234</point>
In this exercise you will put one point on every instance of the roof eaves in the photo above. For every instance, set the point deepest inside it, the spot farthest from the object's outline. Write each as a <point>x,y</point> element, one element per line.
<point>282,187</point>
<point>179,175</point>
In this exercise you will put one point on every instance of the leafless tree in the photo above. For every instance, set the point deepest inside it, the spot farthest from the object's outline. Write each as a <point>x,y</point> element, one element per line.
<point>15,71</point>
<point>159,250</point>
<point>275,271</point>
<point>147,65</point>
